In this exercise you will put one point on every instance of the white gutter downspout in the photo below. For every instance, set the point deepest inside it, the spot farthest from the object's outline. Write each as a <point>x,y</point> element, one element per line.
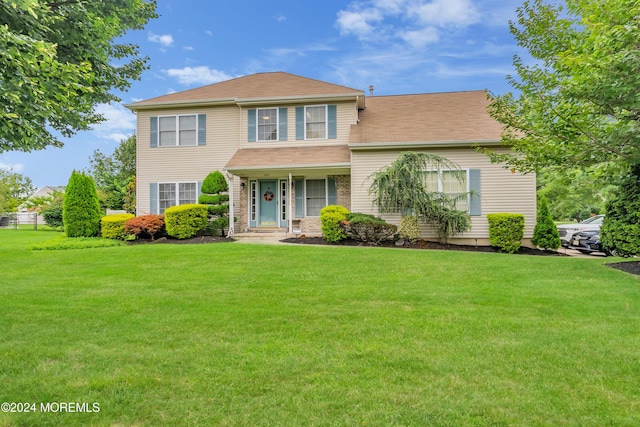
<point>290,183</point>
<point>231,230</point>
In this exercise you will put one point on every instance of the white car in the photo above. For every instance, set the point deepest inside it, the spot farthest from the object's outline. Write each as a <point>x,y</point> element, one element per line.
<point>566,231</point>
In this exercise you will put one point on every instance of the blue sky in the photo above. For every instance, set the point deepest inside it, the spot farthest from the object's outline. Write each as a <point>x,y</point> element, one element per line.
<point>398,46</point>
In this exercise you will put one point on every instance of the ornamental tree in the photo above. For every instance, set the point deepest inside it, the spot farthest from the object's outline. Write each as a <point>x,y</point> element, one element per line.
<point>215,194</point>
<point>59,60</point>
<point>402,187</point>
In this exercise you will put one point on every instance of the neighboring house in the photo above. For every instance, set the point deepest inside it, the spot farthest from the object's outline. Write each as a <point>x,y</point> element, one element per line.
<point>25,216</point>
<point>290,145</point>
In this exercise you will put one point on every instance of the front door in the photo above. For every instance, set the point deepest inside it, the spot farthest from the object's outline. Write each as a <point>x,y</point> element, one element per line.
<point>268,204</point>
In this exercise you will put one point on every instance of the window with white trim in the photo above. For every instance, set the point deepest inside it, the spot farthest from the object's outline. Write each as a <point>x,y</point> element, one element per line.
<point>453,184</point>
<point>178,130</point>
<point>267,124</point>
<point>315,118</point>
<point>176,193</point>
<point>316,196</point>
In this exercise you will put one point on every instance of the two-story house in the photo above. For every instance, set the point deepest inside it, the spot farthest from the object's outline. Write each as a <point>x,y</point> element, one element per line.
<point>291,145</point>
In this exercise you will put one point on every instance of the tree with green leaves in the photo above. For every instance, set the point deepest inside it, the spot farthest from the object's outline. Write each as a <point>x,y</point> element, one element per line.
<point>576,194</point>
<point>59,60</point>
<point>15,189</point>
<point>578,101</point>
<point>81,212</point>
<point>112,174</point>
<point>403,187</point>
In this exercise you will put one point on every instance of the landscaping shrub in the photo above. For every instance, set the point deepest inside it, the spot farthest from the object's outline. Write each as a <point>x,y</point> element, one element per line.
<point>506,231</point>
<point>620,231</point>
<point>368,228</point>
<point>53,216</point>
<point>330,219</point>
<point>185,221</point>
<point>145,226</point>
<point>409,228</point>
<point>545,235</point>
<point>214,195</point>
<point>112,226</point>
<point>449,222</point>
<point>81,211</point>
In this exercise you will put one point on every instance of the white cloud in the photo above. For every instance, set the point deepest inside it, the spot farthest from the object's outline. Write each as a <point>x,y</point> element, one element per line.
<point>445,12</point>
<point>189,48</point>
<point>416,22</point>
<point>15,167</point>
<point>280,17</point>
<point>119,124</point>
<point>197,75</point>
<point>358,23</point>
<point>164,39</point>
<point>421,38</point>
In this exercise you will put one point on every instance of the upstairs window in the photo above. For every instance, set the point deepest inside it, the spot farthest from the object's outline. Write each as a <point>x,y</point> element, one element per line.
<point>316,122</point>
<point>267,124</point>
<point>178,130</point>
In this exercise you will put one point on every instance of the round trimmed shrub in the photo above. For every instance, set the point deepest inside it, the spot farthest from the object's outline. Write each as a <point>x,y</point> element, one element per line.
<point>185,221</point>
<point>113,226</point>
<point>331,218</point>
<point>506,231</point>
<point>145,225</point>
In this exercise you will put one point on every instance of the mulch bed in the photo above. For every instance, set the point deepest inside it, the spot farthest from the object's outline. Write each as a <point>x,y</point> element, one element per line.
<point>420,244</point>
<point>632,267</point>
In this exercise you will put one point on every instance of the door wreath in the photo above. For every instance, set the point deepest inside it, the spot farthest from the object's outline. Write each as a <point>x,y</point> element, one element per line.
<point>268,195</point>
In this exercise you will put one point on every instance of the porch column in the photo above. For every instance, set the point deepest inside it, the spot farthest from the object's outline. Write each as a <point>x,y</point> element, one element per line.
<point>290,184</point>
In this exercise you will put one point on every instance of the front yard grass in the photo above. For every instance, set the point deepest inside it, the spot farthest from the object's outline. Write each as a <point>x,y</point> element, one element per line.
<point>253,335</point>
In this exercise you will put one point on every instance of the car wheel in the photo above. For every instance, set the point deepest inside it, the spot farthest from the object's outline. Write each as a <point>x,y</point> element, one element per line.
<point>608,252</point>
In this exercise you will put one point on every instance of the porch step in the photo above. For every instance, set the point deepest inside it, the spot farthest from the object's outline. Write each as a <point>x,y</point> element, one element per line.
<point>263,235</point>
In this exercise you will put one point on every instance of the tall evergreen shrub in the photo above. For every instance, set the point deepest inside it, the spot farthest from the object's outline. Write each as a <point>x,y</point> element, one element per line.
<point>545,234</point>
<point>620,231</point>
<point>81,211</point>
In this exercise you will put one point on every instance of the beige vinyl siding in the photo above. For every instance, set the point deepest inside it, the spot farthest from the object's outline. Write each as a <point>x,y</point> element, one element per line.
<point>346,115</point>
<point>501,190</point>
<point>184,164</point>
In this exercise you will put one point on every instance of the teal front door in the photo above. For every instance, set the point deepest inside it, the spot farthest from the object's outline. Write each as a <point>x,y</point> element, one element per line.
<point>268,204</point>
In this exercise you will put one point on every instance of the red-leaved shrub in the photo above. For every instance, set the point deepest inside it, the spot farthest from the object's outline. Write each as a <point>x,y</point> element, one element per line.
<point>145,226</point>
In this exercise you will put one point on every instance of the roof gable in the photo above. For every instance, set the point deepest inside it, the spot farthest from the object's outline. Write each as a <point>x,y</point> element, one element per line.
<point>272,85</point>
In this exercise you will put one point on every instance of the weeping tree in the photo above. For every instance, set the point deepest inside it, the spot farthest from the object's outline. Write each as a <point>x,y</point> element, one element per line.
<point>407,187</point>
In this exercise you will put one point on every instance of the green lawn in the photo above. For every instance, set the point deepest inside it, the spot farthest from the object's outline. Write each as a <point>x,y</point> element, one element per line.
<point>256,335</point>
